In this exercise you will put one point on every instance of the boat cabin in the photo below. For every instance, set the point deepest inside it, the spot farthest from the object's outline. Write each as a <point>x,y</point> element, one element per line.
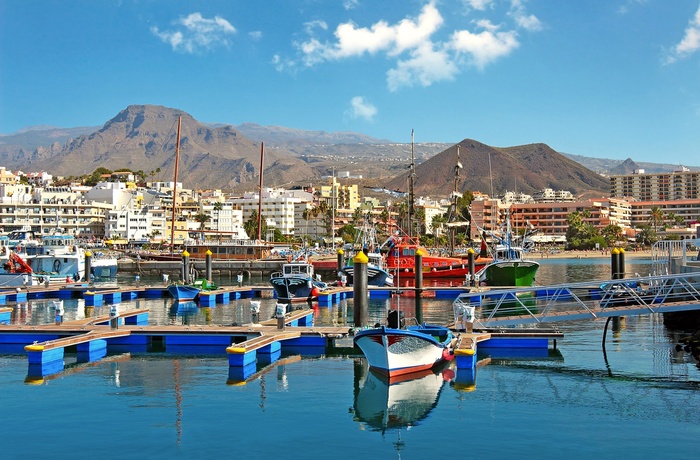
<point>300,270</point>
<point>54,245</point>
<point>508,253</point>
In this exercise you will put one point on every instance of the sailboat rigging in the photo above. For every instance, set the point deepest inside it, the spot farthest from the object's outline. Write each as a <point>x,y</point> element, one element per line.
<point>411,185</point>
<point>456,195</point>
<point>260,190</point>
<point>177,162</point>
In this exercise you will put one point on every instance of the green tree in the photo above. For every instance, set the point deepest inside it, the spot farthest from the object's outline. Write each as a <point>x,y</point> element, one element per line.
<point>251,226</point>
<point>438,220</point>
<point>656,217</point>
<point>646,236</point>
<point>202,219</point>
<point>581,234</point>
<point>96,176</point>
<point>612,234</point>
<point>348,233</point>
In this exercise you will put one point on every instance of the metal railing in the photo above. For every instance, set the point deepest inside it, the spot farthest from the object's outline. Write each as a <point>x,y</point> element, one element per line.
<point>582,301</point>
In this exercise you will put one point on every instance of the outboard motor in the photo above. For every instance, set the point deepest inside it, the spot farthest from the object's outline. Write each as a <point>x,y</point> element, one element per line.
<point>395,319</point>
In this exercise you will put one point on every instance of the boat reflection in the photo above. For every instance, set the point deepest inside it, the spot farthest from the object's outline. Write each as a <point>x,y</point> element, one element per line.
<point>382,403</point>
<point>182,312</point>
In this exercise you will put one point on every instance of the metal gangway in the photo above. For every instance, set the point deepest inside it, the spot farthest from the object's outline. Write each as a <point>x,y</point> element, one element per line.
<point>579,301</point>
<point>669,256</point>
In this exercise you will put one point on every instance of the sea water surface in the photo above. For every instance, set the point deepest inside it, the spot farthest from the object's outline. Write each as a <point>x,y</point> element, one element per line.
<point>641,400</point>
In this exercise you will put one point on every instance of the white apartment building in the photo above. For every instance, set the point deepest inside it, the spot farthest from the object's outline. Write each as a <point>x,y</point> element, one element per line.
<point>277,207</point>
<point>51,209</point>
<point>136,225</point>
<point>678,185</point>
<point>226,220</point>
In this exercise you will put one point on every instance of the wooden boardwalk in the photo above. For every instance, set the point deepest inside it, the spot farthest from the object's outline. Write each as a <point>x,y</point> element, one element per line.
<point>263,340</point>
<point>78,339</point>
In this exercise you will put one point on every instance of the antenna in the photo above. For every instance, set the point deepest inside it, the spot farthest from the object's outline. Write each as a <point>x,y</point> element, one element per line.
<point>411,197</point>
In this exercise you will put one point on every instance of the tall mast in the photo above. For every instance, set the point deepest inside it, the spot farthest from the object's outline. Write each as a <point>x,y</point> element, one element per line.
<point>411,197</point>
<point>177,163</point>
<point>455,197</point>
<point>333,210</point>
<point>260,189</point>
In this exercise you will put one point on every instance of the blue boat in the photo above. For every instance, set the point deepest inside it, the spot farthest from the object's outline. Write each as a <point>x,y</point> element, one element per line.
<point>184,292</point>
<point>296,282</point>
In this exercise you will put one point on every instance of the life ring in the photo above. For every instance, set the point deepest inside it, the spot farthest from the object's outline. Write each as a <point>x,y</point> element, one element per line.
<point>57,265</point>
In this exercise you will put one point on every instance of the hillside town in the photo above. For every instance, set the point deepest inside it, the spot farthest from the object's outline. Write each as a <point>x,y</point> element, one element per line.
<point>122,209</point>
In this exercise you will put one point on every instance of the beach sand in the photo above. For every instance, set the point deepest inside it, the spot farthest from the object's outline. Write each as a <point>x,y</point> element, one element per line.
<point>641,254</point>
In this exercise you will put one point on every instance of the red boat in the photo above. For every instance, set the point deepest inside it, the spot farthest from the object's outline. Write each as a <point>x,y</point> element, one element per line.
<point>401,256</point>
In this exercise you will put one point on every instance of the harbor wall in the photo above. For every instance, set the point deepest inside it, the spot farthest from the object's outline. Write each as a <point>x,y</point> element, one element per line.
<point>264,267</point>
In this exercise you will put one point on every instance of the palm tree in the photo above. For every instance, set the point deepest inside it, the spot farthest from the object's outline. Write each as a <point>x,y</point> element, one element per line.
<point>202,219</point>
<point>656,216</point>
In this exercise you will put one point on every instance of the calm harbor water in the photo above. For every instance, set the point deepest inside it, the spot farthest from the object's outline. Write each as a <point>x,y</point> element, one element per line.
<point>641,402</point>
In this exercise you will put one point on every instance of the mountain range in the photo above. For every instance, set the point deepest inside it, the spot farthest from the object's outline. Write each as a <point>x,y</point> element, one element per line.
<point>214,155</point>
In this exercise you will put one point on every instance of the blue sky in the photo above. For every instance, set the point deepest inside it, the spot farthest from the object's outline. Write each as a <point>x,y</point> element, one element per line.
<point>609,79</point>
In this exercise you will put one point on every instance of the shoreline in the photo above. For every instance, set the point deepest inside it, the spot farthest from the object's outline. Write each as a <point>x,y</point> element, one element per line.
<point>642,254</point>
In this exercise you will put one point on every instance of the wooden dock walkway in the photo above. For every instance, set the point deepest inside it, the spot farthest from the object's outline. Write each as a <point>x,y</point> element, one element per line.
<point>85,337</point>
<point>263,340</point>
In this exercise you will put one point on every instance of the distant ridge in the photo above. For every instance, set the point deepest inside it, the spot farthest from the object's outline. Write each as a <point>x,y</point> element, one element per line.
<point>143,137</point>
<point>280,135</point>
<point>626,167</point>
<point>215,155</point>
<point>493,170</point>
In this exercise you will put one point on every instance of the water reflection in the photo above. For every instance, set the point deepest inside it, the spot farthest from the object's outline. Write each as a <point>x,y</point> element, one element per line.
<point>381,403</point>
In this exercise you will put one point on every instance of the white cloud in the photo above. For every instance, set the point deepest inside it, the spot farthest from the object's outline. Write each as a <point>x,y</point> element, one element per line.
<point>486,46</point>
<point>283,65</point>
<point>420,57</point>
<point>360,108</point>
<point>690,42</point>
<point>624,9</point>
<point>311,26</point>
<point>194,32</point>
<point>480,5</point>
<point>425,67</point>
<point>255,35</point>
<point>356,41</point>
<point>350,4</point>
<point>522,18</point>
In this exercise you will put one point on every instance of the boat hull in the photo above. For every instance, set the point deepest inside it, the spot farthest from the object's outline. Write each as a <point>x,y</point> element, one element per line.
<point>293,289</point>
<point>182,292</point>
<point>394,352</point>
<point>104,268</point>
<point>511,273</point>
<point>375,276</point>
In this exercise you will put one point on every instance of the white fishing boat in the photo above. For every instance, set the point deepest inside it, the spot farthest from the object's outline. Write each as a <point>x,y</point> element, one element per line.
<point>103,265</point>
<point>396,350</point>
<point>57,258</point>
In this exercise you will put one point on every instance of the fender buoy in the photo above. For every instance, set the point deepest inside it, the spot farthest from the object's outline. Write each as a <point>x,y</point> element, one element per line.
<point>57,265</point>
<point>314,292</point>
